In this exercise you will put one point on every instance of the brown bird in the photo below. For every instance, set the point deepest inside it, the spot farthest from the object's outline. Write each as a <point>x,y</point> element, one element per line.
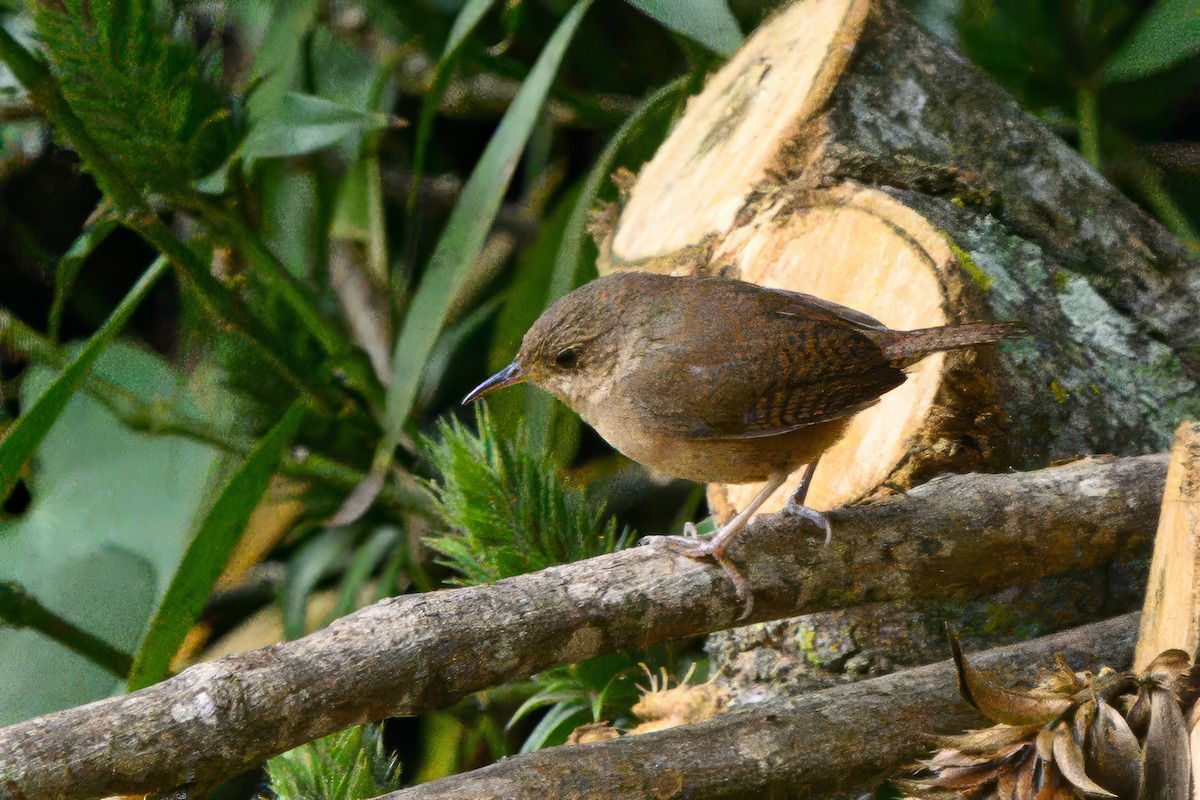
<point>718,380</point>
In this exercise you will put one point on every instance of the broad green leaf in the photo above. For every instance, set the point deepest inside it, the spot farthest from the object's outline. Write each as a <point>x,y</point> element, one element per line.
<point>290,203</point>
<point>31,427</point>
<point>279,54</point>
<point>209,551</point>
<point>1167,34</point>
<point>460,243</point>
<point>105,529</point>
<point>707,22</point>
<point>305,123</point>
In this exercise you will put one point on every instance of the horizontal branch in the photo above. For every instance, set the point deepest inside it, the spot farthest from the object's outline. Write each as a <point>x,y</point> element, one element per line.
<point>957,536</point>
<point>794,747</point>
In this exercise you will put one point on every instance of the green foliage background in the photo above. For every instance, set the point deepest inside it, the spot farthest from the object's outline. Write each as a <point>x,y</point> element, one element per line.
<point>254,252</point>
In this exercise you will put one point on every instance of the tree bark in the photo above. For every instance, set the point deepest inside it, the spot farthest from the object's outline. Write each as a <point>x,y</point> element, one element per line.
<point>814,745</point>
<point>954,537</point>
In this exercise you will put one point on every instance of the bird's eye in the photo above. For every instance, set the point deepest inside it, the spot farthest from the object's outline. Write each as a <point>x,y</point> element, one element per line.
<point>566,359</point>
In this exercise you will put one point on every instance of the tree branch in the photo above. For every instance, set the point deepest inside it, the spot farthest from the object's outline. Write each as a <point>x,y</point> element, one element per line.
<point>794,747</point>
<point>961,535</point>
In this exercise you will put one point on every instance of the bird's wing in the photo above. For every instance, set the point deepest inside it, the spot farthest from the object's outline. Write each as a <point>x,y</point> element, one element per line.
<point>803,373</point>
<point>785,407</point>
<point>806,306</point>
<point>788,408</point>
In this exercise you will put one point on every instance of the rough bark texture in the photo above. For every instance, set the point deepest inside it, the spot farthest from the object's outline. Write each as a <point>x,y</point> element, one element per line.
<point>956,537</point>
<point>1111,295</point>
<point>814,745</point>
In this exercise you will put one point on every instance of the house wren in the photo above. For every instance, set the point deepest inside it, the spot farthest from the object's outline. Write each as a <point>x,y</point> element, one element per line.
<point>718,380</point>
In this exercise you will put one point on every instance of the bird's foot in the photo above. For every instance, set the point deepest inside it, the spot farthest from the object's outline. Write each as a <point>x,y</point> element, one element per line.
<point>794,509</point>
<point>714,546</point>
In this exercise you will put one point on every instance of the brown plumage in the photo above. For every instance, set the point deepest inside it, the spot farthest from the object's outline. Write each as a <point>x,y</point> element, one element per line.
<point>718,380</point>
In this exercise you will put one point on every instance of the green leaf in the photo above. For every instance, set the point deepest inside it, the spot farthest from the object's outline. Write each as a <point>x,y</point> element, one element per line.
<point>449,343</point>
<point>305,123</point>
<point>556,726</point>
<point>707,22</point>
<point>279,57</point>
<point>315,560</point>
<point>31,427</point>
<point>369,555</point>
<point>209,551</point>
<point>106,527</point>
<point>1167,34</point>
<point>460,243</point>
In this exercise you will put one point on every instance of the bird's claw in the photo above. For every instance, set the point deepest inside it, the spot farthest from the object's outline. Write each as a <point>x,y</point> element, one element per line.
<point>794,509</point>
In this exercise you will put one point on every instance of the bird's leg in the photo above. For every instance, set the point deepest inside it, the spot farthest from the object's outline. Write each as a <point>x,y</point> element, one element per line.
<point>716,545</point>
<point>795,506</point>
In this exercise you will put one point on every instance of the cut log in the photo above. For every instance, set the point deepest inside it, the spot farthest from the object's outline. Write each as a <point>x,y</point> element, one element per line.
<point>846,153</point>
<point>1171,615</point>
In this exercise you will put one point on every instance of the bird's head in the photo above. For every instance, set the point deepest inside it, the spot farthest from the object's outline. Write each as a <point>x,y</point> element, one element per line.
<point>570,350</point>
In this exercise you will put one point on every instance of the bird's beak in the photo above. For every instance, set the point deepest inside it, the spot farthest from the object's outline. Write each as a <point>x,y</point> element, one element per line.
<point>505,377</point>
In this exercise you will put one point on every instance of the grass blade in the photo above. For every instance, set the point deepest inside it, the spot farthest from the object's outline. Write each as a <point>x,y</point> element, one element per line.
<point>31,427</point>
<point>209,551</point>
<point>97,229</point>
<point>464,24</point>
<point>458,246</point>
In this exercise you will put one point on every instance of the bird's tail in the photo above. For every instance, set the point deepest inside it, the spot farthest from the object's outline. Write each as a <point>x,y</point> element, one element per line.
<point>906,347</point>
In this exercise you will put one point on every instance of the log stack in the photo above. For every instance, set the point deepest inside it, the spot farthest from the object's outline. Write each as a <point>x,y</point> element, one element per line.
<point>847,153</point>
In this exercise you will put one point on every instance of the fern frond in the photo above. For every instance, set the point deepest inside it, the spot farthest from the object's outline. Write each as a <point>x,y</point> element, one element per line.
<point>141,94</point>
<point>348,765</point>
<point>506,511</point>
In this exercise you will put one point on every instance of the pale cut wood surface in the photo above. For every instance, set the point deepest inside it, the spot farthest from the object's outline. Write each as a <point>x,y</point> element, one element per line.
<point>700,178</point>
<point>825,243</point>
<point>1171,615</point>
